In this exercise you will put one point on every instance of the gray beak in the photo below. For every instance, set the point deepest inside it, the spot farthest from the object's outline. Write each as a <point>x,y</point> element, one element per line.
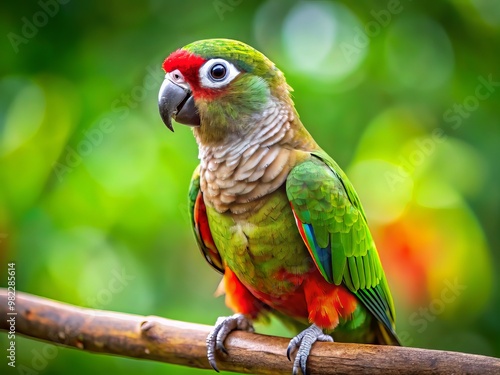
<point>177,102</point>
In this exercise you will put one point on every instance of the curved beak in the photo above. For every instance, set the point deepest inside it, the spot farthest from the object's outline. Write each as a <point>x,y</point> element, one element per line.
<point>175,101</point>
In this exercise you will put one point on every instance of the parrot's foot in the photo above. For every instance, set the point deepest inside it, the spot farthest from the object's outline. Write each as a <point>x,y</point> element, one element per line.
<point>303,342</point>
<point>223,327</point>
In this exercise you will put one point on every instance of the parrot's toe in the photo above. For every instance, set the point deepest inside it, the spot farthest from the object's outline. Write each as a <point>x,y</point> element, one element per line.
<point>303,342</point>
<point>223,327</point>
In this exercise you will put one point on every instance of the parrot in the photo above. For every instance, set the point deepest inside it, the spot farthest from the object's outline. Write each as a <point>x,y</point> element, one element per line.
<point>270,209</point>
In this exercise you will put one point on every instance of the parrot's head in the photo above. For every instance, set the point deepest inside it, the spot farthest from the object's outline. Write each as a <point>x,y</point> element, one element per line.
<point>217,85</point>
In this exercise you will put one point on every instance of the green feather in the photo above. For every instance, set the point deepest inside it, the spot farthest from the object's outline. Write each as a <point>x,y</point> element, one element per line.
<point>361,272</point>
<point>353,270</point>
<point>367,271</point>
<point>324,198</point>
<point>339,259</point>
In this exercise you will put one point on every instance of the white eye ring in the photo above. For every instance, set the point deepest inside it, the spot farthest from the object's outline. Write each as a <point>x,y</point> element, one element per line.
<point>217,73</point>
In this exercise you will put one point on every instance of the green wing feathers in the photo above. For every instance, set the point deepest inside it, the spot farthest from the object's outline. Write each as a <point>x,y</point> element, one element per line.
<point>333,226</point>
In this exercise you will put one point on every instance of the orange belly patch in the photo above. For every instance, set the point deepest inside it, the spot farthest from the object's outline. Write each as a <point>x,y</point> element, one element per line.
<point>314,299</point>
<point>326,302</point>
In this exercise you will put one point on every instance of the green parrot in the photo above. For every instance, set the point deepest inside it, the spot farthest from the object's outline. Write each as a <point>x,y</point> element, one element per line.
<point>270,209</point>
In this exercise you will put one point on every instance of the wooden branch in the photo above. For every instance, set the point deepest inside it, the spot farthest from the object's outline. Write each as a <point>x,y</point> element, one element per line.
<point>171,341</point>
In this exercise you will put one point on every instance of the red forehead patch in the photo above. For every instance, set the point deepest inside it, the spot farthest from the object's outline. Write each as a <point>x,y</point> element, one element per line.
<point>189,65</point>
<point>184,61</point>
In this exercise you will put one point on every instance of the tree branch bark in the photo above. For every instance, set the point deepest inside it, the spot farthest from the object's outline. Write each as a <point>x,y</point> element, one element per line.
<point>181,343</point>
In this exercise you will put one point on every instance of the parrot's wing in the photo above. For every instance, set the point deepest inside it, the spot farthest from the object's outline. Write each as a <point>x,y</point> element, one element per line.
<point>333,226</point>
<point>199,221</point>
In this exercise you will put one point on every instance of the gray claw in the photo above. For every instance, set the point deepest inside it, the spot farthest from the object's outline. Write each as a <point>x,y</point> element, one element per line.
<point>303,343</point>
<point>223,327</point>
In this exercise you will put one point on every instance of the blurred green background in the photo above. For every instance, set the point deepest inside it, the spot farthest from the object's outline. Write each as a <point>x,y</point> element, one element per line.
<point>404,95</point>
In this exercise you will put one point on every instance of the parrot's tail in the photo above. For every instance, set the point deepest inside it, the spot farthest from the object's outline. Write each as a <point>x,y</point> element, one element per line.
<point>386,336</point>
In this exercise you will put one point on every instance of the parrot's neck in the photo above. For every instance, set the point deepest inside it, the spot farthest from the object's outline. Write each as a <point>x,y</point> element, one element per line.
<point>237,172</point>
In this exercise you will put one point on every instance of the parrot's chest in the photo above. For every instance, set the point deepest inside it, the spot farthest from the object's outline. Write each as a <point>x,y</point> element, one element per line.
<point>263,248</point>
<point>235,178</point>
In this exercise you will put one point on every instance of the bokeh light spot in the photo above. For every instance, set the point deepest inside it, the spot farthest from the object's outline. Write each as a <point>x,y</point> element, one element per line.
<point>24,115</point>
<point>419,53</point>
<point>315,38</point>
<point>309,33</point>
<point>489,11</point>
<point>436,194</point>
<point>383,202</point>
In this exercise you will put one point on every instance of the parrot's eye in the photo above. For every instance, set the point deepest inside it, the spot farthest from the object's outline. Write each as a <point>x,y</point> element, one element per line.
<point>217,73</point>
